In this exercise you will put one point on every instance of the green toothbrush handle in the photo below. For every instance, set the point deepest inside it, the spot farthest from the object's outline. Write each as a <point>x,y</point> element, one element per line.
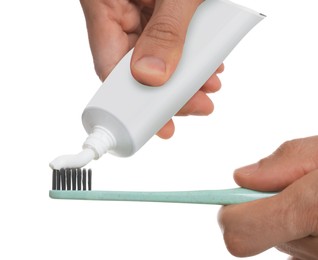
<point>216,197</point>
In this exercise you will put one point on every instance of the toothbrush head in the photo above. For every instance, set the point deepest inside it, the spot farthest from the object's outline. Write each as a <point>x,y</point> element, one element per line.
<point>72,179</point>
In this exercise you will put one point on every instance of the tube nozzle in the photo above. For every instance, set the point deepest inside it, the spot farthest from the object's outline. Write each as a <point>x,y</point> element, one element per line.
<point>96,144</point>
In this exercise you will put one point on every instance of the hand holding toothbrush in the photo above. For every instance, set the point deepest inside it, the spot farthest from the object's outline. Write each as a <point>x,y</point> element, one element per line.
<point>288,221</point>
<point>157,29</point>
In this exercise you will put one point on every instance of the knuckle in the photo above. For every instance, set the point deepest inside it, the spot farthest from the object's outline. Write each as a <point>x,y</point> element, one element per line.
<point>289,150</point>
<point>303,148</point>
<point>312,222</point>
<point>311,201</point>
<point>164,31</point>
<point>235,245</point>
<point>288,147</point>
<point>286,248</point>
<point>315,224</point>
<point>235,241</point>
<point>301,212</point>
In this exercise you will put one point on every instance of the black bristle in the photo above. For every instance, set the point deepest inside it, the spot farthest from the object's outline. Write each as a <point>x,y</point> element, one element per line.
<point>62,171</point>
<point>84,179</point>
<point>73,179</point>
<point>58,180</point>
<point>79,179</point>
<point>68,179</point>
<point>54,179</point>
<point>89,179</point>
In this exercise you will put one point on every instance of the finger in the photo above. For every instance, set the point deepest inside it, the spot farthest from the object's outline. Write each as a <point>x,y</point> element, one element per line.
<point>220,69</point>
<point>289,162</point>
<point>254,227</point>
<point>200,104</point>
<point>212,85</point>
<point>167,130</point>
<point>112,32</point>
<point>305,248</point>
<point>158,50</point>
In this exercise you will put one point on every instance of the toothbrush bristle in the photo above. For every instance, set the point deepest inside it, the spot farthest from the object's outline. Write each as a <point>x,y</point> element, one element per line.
<point>79,179</point>
<point>68,179</point>
<point>58,180</point>
<point>54,179</point>
<point>72,179</point>
<point>89,179</point>
<point>84,179</point>
<point>63,179</point>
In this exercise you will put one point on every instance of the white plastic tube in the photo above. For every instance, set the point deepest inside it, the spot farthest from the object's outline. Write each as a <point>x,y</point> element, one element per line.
<point>124,114</point>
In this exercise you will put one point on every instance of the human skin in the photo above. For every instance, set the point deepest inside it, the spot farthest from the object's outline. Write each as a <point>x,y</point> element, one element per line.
<point>287,221</point>
<point>157,29</point>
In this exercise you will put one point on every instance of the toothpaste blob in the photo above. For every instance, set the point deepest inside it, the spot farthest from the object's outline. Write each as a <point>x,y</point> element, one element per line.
<point>73,160</point>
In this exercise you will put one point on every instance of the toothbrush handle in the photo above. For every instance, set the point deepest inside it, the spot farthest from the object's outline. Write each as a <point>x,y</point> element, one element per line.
<point>216,197</point>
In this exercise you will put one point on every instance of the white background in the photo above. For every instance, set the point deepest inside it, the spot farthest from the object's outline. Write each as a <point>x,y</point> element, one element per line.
<point>46,79</point>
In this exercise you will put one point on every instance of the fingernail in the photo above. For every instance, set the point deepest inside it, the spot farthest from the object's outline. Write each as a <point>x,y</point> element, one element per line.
<point>150,65</point>
<point>247,170</point>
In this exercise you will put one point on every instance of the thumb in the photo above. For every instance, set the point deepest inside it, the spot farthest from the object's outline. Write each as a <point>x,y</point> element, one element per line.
<point>159,48</point>
<point>289,162</point>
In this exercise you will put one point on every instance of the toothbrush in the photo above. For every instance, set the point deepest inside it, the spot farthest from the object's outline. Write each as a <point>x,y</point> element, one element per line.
<point>72,183</point>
